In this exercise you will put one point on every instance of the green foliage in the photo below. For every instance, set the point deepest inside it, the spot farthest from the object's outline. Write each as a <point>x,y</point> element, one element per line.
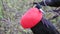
<point>1,9</point>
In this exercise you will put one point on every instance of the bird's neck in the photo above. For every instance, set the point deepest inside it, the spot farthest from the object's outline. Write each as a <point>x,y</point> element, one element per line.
<point>39,28</point>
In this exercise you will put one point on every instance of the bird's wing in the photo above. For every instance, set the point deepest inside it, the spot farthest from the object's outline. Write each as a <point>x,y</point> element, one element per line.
<point>49,26</point>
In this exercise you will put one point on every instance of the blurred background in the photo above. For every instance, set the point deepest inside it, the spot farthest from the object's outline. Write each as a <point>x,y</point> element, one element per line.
<point>12,10</point>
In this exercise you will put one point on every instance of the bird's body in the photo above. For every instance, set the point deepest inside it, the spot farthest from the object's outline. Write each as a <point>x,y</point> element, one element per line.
<point>33,19</point>
<point>44,27</point>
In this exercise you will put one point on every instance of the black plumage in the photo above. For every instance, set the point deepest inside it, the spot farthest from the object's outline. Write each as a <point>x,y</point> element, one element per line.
<point>44,27</point>
<point>52,3</point>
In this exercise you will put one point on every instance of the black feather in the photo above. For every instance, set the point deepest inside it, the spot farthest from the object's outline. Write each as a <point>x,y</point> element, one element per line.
<point>44,27</point>
<point>52,3</point>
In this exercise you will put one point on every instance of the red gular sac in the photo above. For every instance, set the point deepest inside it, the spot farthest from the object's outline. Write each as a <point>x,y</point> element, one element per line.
<point>31,18</point>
